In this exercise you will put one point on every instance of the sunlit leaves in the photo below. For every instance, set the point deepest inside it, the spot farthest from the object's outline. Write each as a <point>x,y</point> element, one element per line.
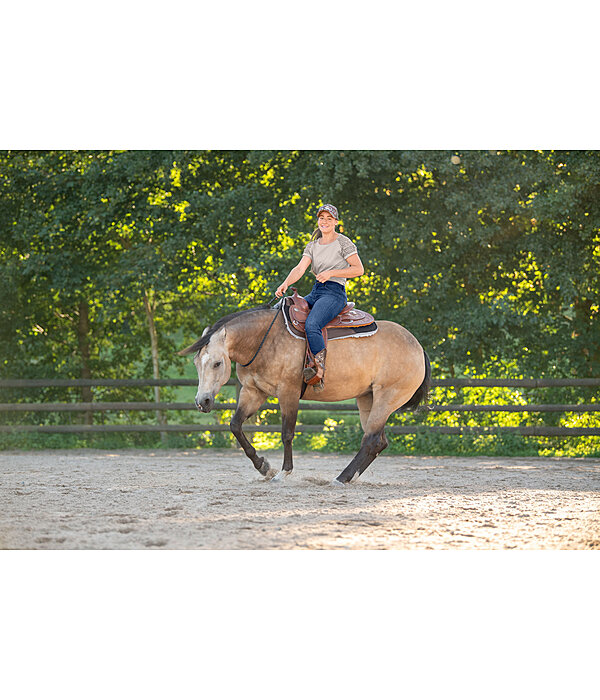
<point>482,254</point>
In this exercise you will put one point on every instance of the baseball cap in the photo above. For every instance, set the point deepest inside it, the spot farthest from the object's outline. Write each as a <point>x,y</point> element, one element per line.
<point>331,209</point>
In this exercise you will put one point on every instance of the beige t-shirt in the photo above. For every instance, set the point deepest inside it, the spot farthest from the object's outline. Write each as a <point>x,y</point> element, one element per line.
<point>331,256</point>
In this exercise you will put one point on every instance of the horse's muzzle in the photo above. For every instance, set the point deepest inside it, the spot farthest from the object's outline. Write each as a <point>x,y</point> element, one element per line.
<point>205,403</point>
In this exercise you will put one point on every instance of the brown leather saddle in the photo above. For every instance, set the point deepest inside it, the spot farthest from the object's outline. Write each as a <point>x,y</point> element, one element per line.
<point>349,317</point>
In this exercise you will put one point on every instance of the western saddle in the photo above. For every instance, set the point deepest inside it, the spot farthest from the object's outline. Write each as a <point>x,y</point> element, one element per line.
<point>348,317</point>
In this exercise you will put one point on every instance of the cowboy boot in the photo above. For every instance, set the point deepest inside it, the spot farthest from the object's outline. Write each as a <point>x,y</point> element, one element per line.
<point>318,382</point>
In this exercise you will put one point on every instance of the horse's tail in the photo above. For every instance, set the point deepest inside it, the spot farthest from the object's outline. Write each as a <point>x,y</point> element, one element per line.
<point>422,393</point>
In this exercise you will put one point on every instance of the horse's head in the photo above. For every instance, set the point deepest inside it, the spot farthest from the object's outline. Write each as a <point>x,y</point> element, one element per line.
<point>214,369</point>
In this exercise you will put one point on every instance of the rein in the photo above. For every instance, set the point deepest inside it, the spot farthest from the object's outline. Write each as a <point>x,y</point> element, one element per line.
<point>264,338</point>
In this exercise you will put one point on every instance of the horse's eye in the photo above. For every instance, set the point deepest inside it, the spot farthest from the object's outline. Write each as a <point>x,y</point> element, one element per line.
<point>217,364</point>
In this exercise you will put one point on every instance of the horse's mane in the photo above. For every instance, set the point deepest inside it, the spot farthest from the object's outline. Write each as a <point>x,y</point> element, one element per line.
<point>211,330</point>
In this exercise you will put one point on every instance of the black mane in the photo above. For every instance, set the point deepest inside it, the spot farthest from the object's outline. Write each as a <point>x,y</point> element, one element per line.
<point>205,339</point>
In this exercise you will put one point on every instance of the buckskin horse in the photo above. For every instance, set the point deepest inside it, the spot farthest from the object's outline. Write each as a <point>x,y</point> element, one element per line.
<point>386,371</point>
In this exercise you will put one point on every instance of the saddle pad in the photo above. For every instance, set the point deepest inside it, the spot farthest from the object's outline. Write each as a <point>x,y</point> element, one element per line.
<point>332,333</point>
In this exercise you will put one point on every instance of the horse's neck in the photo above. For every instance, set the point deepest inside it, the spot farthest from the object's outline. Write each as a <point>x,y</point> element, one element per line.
<point>245,334</point>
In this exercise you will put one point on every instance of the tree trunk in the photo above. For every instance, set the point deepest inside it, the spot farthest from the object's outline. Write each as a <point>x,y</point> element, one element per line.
<point>150,306</point>
<point>83,340</point>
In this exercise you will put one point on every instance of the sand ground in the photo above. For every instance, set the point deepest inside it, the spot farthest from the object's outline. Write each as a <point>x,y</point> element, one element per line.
<point>214,499</point>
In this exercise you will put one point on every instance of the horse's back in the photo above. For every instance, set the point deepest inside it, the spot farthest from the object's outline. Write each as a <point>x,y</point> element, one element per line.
<point>390,338</point>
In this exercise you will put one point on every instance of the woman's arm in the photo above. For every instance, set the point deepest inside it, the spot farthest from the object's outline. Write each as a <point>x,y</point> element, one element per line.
<point>295,274</point>
<point>356,269</point>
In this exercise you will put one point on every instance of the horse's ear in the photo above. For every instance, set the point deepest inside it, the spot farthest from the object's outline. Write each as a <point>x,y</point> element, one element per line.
<point>188,350</point>
<point>194,346</point>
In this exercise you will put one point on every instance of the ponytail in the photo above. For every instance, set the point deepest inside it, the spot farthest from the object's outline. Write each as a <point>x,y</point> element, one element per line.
<point>316,234</point>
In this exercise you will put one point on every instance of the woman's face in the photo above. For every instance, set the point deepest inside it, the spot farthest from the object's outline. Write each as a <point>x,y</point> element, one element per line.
<point>326,222</point>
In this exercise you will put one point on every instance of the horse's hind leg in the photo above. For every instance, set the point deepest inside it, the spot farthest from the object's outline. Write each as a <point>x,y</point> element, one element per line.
<point>364,404</point>
<point>372,444</point>
<point>374,440</point>
<point>249,402</point>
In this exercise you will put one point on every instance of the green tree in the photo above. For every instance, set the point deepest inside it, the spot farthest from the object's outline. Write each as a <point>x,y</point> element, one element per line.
<point>108,258</point>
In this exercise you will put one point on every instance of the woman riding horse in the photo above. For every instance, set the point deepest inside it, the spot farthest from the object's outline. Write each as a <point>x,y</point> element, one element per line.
<point>333,258</point>
<point>385,371</point>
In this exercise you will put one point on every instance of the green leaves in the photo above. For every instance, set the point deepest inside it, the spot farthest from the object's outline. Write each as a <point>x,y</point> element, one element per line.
<point>495,255</point>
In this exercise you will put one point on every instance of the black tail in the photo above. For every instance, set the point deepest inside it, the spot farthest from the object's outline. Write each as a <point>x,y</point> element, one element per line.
<point>422,393</point>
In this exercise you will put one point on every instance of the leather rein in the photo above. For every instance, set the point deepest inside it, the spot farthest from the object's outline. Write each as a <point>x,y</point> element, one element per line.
<point>262,342</point>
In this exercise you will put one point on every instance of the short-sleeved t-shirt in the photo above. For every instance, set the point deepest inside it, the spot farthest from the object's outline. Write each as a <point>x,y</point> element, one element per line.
<point>332,256</point>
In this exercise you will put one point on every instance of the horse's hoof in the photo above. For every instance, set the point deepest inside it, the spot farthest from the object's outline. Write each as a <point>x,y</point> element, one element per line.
<point>280,476</point>
<point>266,470</point>
<point>336,482</point>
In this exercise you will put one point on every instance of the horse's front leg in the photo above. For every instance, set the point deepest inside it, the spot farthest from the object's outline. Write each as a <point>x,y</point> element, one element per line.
<point>289,416</point>
<point>249,402</point>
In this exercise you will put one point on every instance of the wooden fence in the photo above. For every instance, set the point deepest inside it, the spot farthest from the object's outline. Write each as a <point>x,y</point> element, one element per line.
<point>163,427</point>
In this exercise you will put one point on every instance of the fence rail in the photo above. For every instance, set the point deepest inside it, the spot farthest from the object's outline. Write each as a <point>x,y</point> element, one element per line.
<point>458,383</point>
<point>103,406</point>
<point>541,430</point>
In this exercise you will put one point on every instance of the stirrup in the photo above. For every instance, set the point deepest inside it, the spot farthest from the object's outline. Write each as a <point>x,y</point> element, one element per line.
<point>314,370</point>
<point>311,375</point>
<point>309,372</point>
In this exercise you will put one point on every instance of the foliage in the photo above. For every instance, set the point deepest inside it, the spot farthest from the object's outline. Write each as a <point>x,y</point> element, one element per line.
<point>491,258</point>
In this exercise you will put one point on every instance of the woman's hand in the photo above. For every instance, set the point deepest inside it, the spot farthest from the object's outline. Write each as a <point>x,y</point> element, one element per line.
<point>280,291</point>
<point>324,276</point>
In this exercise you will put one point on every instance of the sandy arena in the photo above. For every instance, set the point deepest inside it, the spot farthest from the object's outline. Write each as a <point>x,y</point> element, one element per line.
<point>214,499</point>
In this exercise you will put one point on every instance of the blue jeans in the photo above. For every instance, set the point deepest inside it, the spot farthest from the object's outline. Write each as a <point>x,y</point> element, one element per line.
<point>326,300</point>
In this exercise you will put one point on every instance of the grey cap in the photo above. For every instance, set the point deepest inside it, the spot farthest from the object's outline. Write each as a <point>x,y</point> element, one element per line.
<point>331,209</point>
